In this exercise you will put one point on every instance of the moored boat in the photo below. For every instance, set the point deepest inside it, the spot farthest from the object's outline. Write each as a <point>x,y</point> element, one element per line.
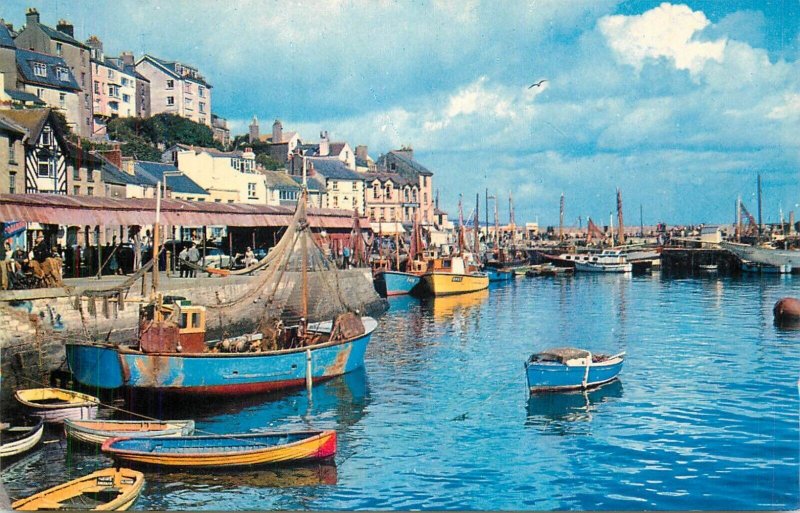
<point>500,274</point>
<point>396,283</point>
<point>757,267</point>
<point>447,276</point>
<point>15,440</point>
<point>54,405</point>
<point>609,261</point>
<point>568,368</point>
<point>98,431</point>
<point>109,489</point>
<point>236,450</point>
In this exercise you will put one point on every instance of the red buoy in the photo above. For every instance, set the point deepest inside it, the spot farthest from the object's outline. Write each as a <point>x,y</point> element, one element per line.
<point>787,309</point>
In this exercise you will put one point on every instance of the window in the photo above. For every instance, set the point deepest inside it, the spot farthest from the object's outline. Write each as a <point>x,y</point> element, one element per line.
<point>46,134</point>
<point>187,102</point>
<point>12,183</point>
<point>354,202</point>
<point>170,84</point>
<point>76,190</point>
<point>251,190</point>
<point>63,74</point>
<point>230,201</point>
<point>388,191</point>
<point>39,69</point>
<point>126,98</point>
<point>83,79</point>
<point>62,100</point>
<point>335,185</point>
<point>45,168</point>
<point>76,173</point>
<point>201,91</point>
<point>113,90</point>
<point>170,100</point>
<point>90,191</point>
<point>187,88</point>
<point>86,103</point>
<point>202,107</point>
<point>110,74</point>
<point>218,200</point>
<point>89,175</point>
<point>39,92</point>
<point>59,49</point>
<point>11,152</point>
<point>375,189</point>
<point>125,81</point>
<point>336,202</point>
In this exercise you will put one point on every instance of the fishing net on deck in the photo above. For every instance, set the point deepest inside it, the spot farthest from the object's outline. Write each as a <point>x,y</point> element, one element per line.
<point>276,293</point>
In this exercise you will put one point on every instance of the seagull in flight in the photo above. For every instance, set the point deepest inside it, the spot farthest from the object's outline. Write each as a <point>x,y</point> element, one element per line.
<point>537,84</point>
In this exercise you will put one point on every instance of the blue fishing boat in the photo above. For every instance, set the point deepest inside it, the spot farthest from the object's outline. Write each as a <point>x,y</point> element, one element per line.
<point>500,274</point>
<point>567,368</point>
<point>171,353</point>
<point>395,283</point>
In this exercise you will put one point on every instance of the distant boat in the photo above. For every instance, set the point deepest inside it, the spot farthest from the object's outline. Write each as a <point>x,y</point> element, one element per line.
<point>500,274</point>
<point>396,283</point>
<point>609,261</point>
<point>54,405</point>
<point>568,368</point>
<point>755,267</point>
<point>109,489</point>
<point>98,431</point>
<point>15,440</point>
<point>769,256</point>
<point>708,268</point>
<point>217,451</point>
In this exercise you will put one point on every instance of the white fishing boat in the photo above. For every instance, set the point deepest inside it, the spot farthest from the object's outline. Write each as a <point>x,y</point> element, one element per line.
<point>609,261</point>
<point>762,255</point>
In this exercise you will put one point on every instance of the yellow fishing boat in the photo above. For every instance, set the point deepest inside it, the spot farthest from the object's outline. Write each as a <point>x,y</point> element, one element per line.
<point>109,489</point>
<point>448,276</point>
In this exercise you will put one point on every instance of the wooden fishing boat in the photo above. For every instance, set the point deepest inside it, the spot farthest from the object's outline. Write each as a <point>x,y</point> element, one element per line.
<point>110,489</point>
<point>396,283</point>
<point>500,274</point>
<point>224,450</point>
<point>54,405</point>
<point>15,440</point>
<point>609,261</point>
<point>98,431</point>
<point>171,354</point>
<point>447,276</point>
<point>568,368</point>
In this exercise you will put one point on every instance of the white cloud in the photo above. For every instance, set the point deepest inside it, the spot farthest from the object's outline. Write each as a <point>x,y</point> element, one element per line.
<point>666,31</point>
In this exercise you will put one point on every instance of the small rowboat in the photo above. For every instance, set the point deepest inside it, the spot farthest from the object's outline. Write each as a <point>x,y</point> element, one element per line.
<point>53,405</point>
<point>15,440</point>
<point>567,368</point>
<point>98,431</point>
<point>108,489</point>
<point>223,450</point>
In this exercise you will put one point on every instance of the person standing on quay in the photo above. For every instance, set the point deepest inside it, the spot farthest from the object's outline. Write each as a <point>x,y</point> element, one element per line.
<point>183,257</point>
<point>194,257</point>
<point>346,257</point>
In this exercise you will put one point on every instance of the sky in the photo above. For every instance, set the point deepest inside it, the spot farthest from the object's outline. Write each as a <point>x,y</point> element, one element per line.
<point>679,105</point>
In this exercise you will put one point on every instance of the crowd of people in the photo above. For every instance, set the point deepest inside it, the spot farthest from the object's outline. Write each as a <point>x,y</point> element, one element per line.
<point>39,267</point>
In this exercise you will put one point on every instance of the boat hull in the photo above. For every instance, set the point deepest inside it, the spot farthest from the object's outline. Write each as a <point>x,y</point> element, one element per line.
<point>552,376</point>
<point>592,267</point>
<point>446,284</point>
<point>773,257</point>
<point>224,451</point>
<point>95,365</point>
<point>70,405</point>
<point>128,482</point>
<point>394,283</point>
<point>221,374</point>
<point>496,275</point>
<point>23,444</point>
<point>95,433</point>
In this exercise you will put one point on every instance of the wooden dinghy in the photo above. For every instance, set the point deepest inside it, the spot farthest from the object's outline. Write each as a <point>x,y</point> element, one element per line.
<point>220,451</point>
<point>15,440</point>
<point>567,368</point>
<point>54,405</point>
<point>107,490</point>
<point>98,431</point>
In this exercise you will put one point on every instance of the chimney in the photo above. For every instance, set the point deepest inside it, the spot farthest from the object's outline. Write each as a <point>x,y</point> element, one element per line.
<point>32,16</point>
<point>96,47</point>
<point>361,152</point>
<point>127,58</point>
<point>66,27</point>
<point>324,144</point>
<point>277,132</point>
<point>248,154</point>
<point>406,151</point>
<point>114,155</point>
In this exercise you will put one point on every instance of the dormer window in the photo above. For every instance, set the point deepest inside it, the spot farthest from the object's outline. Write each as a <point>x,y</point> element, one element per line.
<point>63,74</point>
<point>39,69</point>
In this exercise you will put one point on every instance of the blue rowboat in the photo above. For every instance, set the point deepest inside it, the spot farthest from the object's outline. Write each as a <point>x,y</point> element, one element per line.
<point>567,368</point>
<point>219,373</point>
<point>395,283</point>
<point>215,451</point>
<point>500,274</point>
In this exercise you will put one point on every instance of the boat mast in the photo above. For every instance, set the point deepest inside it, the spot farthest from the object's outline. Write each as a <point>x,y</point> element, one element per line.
<point>496,228</point>
<point>477,242</point>
<point>611,228</point>
<point>486,204</point>
<point>759,207</point>
<point>641,220</point>
<point>621,237</point>
<point>460,226</point>
<point>304,247</point>
<point>156,242</point>
<point>561,219</point>
<point>739,219</point>
<point>397,246</point>
<point>511,218</point>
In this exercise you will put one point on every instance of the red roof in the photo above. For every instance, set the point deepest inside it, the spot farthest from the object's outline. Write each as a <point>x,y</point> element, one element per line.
<point>91,210</point>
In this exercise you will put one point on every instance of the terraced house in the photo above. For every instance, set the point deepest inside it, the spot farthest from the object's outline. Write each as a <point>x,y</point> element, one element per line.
<point>69,58</point>
<point>176,88</point>
<point>113,88</point>
<point>45,151</point>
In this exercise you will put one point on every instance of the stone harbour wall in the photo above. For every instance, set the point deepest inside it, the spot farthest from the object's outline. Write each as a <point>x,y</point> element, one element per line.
<point>34,324</point>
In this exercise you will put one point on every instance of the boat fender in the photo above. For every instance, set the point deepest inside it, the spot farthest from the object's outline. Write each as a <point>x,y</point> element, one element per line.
<point>787,309</point>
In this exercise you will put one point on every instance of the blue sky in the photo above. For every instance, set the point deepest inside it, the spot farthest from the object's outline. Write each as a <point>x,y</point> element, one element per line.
<point>679,105</point>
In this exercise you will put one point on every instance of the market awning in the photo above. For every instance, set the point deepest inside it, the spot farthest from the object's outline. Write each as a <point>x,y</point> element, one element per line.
<point>90,210</point>
<point>387,228</point>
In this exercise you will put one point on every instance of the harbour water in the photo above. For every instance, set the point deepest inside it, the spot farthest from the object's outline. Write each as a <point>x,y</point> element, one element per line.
<point>705,415</point>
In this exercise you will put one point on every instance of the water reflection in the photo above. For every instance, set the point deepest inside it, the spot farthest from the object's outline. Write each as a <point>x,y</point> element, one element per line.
<point>559,413</point>
<point>289,476</point>
<point>447,307</point>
